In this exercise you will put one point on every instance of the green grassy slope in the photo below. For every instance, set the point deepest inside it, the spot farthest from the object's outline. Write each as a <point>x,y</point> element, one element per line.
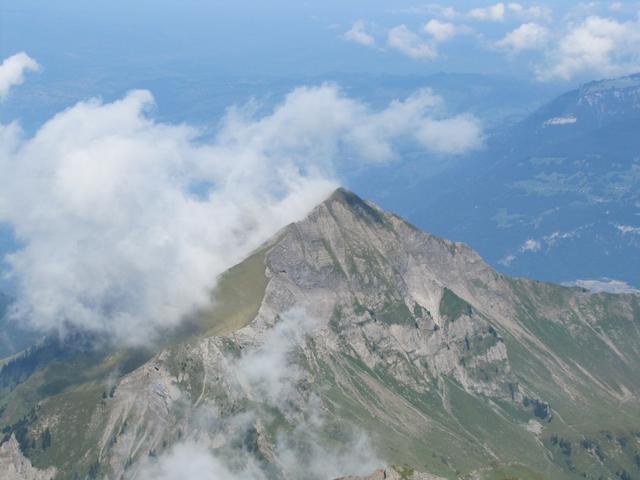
<point>573,367</point>
<point>70,380</point>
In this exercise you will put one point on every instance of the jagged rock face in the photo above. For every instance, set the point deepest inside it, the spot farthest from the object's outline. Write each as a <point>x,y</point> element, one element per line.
<point>369,328</point>
<point>14,465</point>
<point>387,291</point>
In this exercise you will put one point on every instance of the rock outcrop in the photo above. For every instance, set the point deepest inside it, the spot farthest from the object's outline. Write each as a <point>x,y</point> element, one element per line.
<point>372,343</point>
<point>15,466</point>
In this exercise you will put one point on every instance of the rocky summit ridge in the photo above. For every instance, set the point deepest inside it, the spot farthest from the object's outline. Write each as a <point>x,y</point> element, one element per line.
<point>349,342</point>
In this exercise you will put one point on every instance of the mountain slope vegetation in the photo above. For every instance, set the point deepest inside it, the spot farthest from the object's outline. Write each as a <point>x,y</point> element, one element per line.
<point>350,341</point>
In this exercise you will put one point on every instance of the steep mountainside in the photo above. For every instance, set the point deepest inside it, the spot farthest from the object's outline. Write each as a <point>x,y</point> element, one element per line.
<point>555,197</point>
<point>350,341</point>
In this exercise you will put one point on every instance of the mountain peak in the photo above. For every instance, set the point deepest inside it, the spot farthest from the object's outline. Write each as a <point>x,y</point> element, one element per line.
<point>357,205</point>
<point>352,313</point>
<point>620,83</point>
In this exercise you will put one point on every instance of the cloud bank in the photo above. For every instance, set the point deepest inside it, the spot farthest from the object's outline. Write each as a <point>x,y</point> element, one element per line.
<point>12,71</point>
<point>597,45</point>
<point>126,222</point>
<point>117,239</point>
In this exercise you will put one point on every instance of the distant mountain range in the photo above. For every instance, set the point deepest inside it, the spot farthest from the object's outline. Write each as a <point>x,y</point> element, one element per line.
<point>348,342</point>
<point>555,196</point>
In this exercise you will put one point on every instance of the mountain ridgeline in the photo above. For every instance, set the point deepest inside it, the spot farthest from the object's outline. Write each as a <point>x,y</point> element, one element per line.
<point>555,196</point>
<point>351,341</point>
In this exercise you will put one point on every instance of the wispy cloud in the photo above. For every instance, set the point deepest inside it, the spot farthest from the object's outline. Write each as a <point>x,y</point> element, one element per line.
<point>425,46</point>
<point>531,245</point>
<point>555,121</point>
<point>529,13</point>
<point>527,36</point>
<point>606,285</point>
<point>495,12</point>
<point>536,245</point>
<point>433,9</point>
<point>411,44</point>
<point>12,71</point>
<point>502,11</point>
<point>192,460</point>
<point>358,34</point>
<point>443,31</point>
<point>452,136</point>
<point>492,13</point>
<point>616,7</point>
<point>268,375</point>
<point>628,229</point>
<point>507,260</point>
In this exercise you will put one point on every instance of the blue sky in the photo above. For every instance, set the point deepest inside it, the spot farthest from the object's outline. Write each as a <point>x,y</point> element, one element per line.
<point>200,55</point>
<point>133,104</point>
<point>285,37</point>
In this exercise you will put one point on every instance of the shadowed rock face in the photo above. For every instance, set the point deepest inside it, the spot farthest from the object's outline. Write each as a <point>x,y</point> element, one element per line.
<point>374,343</point>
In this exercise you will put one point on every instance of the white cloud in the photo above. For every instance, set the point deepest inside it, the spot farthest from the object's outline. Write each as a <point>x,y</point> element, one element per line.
<point>547,242</point>
<point>553,238</point>
<point>127,222</point>
<point>569,120</point>
<point>193,461</point>
<point>446,11</point>
<point>497,12</point>
<point>301,454</point>
<point>452,136</point>
<point>597,46</point>
<point>12,71</point>
<point>115,239</point>
<point>442,11</point>
<point>268,369</point>
<point>268,375</point>
<point>411,44</point>
<point>491,13</point>
<point>507,260</point>
<point>527,36</point>
<point>440,31</point>
<point>531,245</point>
<point>358,34</point>
<point>534,12</point>
<point>628,229</point>
<point>606,285</point>
<point>500,12</point>
<point>616,7</point>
